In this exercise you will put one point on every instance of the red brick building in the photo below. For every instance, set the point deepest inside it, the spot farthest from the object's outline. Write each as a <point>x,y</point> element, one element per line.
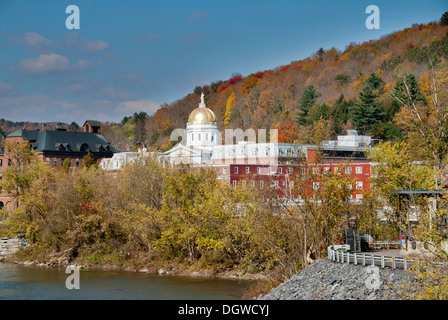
<point>54,147</point>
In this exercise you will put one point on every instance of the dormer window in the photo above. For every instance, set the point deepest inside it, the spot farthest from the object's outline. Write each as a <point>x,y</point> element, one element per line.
<point>84,147</point>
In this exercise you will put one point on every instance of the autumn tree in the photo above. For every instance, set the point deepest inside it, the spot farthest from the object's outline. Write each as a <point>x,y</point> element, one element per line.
<point>230,105</point>
<point>425,119</point>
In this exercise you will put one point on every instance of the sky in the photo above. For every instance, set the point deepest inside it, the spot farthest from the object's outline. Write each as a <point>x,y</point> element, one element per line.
<point>131,56</point>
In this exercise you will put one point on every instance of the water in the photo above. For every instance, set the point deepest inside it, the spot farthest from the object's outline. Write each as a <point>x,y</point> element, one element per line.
<point>36,283</point>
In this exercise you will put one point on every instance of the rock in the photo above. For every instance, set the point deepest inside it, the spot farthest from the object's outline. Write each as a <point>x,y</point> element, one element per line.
<point>328,280</point>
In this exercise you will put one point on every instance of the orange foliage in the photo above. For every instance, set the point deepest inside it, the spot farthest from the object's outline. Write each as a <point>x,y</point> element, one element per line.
<point>287,132</point>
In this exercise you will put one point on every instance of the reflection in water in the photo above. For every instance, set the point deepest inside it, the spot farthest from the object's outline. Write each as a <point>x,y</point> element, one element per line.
<point>21,282</point>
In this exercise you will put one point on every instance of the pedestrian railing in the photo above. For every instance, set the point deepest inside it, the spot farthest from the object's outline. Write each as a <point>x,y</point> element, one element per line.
<point>336,253</point>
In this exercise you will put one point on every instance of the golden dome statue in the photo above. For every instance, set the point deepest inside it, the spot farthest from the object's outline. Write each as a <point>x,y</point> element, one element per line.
<point>202,114</point>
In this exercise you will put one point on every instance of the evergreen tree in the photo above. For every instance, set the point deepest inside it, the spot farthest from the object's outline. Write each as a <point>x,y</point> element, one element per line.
<point>408,91</point>
<point>367,111</point>
<point>307,101</point>
<point>73,126</point>
<point>444,19</point>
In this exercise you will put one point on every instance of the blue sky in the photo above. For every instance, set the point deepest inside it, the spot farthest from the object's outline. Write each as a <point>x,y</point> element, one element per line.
<point>131,56</point>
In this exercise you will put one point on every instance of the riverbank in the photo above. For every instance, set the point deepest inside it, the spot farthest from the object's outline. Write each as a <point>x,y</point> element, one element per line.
<point>327,280</point>
<point>144,265</point>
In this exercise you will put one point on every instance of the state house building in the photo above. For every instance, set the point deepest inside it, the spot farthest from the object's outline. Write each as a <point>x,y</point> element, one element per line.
<point>261,165</point>
<point>54,147</point>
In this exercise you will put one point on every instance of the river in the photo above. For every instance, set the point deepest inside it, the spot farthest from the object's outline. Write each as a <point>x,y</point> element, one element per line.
<point>40,283</point>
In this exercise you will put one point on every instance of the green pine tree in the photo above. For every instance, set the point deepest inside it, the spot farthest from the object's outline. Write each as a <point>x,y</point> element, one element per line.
<point>307,101</point>
<point>409,84</point>
<point>367,112</point>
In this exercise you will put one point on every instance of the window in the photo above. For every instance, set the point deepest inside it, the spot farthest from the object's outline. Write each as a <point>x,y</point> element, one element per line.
<point>199,136</point>
<point>326,169</point>
<point>244,182</point>
<point>55,162</point>
<point>224,170</point>
<point>267,151</point>
<point>1,176</point>
<point>302,170</point>
<point>9,162</point>
<point>77,162</point>
<point>280,170</point>
<point>236,170</point>
<point>290,170</point>
<point>358,170</point>
<point>84,147</point>
<point>359,196</point>
<point>192,137</point>
<point>358,184</point>
<point>315,170</point>
<point>1,162</point>
<point>258,170</point>
<point>291,183</point>
<point>276,184</point>
<point>261,184</point>
<point>348,170</point>
<point>48,161</point>
<point>234,183</point>
<point>247,170</point>
<point>206,136</point>
<point>254,152</point>
<point>315,185</point>
<point>337,170</point>
<point>253,183</point>
<point>288,152</point>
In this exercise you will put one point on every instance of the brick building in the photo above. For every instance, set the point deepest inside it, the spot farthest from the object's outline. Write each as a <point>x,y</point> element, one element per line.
<point>54,147</point>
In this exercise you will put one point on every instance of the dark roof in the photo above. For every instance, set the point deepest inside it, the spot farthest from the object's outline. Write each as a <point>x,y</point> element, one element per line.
<point>93,123</point>
<point>50,141</point>
<point>25,134</point>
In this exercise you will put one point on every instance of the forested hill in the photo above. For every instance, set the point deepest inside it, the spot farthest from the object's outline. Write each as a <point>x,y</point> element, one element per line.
<point>7,126</point>
<point>307,100</point>
<point>317,97</point>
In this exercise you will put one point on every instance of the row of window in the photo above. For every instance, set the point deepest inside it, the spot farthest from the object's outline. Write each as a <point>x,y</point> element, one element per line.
<point>359,184</point>
<point>348,170</point>
<point>55,161</point>
<point>206,137</point>
<point>231,152</point>
<point>9,162</point>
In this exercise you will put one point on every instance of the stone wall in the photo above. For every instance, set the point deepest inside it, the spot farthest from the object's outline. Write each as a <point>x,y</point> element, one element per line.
<point>11,245</point>
<point>328,280</point>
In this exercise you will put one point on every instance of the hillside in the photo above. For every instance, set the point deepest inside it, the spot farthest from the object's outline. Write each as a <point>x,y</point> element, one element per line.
<point>7,126</point>
<point>316,96</point>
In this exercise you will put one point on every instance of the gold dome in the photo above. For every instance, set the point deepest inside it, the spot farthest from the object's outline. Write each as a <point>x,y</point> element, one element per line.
<point>202,115</point>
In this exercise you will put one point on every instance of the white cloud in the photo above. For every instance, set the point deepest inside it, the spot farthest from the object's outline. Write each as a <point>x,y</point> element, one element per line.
<point>5,87</point>
<point>197,15</point>
<point>49,63</point>
<point>36,42</point>
<point>147,106</point>
<point>76,41</point>
<point>44,63</point>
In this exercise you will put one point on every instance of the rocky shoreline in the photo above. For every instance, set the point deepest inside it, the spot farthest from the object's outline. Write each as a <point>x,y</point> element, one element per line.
<point>328,280</point>
<point>170,270</point>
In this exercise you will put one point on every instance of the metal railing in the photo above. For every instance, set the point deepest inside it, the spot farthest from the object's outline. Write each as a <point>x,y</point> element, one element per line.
<point>336,254</point>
